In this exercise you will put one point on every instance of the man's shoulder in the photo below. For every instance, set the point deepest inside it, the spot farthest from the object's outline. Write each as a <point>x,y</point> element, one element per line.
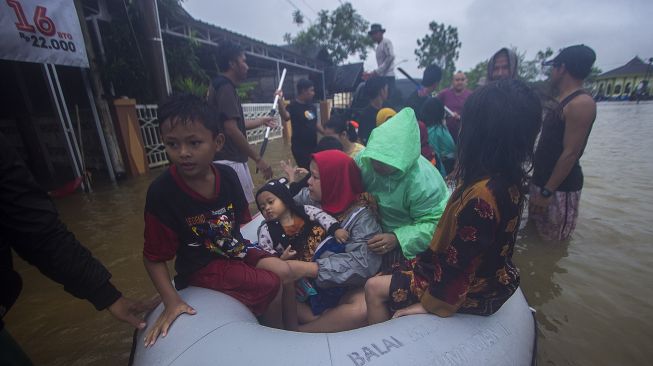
<point>583,108</point>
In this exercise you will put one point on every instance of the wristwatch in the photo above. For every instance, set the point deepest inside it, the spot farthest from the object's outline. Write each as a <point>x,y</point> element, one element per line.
<point>545,192</point>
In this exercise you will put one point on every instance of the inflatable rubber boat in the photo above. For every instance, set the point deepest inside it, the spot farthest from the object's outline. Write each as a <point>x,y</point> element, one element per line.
<point>225,332</point>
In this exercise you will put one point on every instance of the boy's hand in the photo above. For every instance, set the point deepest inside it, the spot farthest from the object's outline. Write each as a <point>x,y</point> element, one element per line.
<point>341,235</point>
<point>166,319</point>
<point>288,253</point>
<point>126,310</point>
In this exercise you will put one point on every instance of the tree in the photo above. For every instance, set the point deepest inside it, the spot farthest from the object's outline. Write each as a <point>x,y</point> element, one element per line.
<point>440,47</point>
<point>342,32</point>
<point>475,74</point>
<point>531,70</point>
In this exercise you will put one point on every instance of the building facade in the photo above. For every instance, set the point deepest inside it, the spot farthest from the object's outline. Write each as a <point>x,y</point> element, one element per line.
<point>626,82</point>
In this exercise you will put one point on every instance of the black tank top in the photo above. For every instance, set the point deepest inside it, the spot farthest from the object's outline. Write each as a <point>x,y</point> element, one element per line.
<point>550,147</point>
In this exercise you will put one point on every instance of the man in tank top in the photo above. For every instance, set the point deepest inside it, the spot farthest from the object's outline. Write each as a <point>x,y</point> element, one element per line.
<point>557,176</point>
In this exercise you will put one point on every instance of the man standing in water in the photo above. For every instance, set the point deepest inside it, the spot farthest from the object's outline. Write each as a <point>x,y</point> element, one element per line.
<point>557,175</point>
<point>454,98</point>
<point>223,96</point>
<point>502,65</point>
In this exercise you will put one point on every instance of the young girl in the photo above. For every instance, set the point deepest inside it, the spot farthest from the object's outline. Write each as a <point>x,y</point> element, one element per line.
<point>299,232</point>
<point>439,137</point>
<point>345,131</point>
<point>292,231</point>
<point>468,265</point>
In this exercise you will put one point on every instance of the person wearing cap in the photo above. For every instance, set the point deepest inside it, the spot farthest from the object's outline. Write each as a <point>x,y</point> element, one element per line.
<point>502,65</point>
<point>385,57</point>
<point>384,115</point>
<point>430,81</point>
<point>454,99</point>
<point>557,175</point>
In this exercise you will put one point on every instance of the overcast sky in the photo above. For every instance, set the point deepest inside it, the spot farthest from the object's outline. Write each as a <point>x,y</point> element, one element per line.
<point>617,30</point>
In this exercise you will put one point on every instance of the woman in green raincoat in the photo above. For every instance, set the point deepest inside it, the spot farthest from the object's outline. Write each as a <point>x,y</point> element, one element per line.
<point>410,192</point>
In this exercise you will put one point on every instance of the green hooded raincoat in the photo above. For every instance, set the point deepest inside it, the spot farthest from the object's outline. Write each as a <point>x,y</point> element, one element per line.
<point>411,201</point>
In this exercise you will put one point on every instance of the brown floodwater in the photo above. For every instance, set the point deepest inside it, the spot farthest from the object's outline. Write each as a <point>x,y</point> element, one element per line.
<point>592,294</point>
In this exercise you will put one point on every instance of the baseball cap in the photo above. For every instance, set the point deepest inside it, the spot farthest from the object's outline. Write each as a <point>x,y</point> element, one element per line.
<point>578,60</point>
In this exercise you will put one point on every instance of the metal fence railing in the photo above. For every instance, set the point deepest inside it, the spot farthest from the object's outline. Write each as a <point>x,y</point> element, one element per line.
<point>155,150</point>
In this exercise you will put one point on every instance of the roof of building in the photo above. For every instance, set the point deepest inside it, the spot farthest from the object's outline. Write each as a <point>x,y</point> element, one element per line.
<point>634,66</point>
<point>180,23</point>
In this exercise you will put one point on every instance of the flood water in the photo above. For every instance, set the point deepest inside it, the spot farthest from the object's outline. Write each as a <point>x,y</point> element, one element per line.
<point>593,294</point>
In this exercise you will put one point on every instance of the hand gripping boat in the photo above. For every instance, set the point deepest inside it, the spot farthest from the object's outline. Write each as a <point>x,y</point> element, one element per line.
<point>225,332</point>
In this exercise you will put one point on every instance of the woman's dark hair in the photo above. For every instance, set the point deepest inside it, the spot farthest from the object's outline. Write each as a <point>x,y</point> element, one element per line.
<point>227,52</point>
<point>328,143</point>
<point>187,108</point>
<point>432,112</point>
<point>500,122</point>
<point>339,124</point>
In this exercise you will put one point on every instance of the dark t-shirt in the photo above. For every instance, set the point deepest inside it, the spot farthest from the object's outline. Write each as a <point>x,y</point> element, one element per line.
<point>180,222</point>
<point>550,147</point>
<point>223,96</point>
<point>303,119</point>
<point>416,102</point>
<point>366,122</point>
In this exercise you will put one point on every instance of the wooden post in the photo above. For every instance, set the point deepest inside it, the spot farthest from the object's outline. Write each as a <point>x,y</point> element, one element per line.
<point>130,137</point>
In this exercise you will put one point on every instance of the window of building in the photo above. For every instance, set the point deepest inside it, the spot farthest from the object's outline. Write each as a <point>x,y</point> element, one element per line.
<point>627,88</point>
<point>617,89</point>
<point>609,90</point>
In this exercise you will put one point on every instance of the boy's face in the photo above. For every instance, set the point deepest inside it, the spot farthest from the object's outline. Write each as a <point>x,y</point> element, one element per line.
<point>190,147</point>
<point>270,205</point>
<point>307,95</point>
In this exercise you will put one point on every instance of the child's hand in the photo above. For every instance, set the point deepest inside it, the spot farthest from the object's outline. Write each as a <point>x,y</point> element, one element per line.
<point>288,253</point>
<point>166,319</point>
<point>341,235</point>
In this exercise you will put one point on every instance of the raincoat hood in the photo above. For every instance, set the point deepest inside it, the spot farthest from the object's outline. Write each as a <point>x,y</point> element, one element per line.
<point>412,200</point>
<point>512,61</point>
<point>396,143</point>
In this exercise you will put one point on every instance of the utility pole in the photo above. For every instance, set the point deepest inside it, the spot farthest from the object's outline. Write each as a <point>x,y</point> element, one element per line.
<point>155,53</point>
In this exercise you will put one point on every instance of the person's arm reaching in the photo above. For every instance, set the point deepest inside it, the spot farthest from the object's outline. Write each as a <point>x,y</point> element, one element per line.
<point>31,226</point>
<point>232,132</point>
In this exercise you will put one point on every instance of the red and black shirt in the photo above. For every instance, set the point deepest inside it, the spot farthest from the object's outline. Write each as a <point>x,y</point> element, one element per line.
<point>180,222</point>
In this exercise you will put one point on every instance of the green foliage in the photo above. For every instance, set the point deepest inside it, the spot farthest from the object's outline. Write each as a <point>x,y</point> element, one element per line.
<point>531,70</point>
<point>189,85</point>
<point>441,47</point>
<point>244,90</point>
<point>297,17</point>
<point>475,74</point>
<point>124,72</point>
<point>342,32</point>
<point>183,65</point>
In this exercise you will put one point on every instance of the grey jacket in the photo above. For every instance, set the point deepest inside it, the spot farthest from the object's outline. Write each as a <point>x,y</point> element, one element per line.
<point>357,263</point>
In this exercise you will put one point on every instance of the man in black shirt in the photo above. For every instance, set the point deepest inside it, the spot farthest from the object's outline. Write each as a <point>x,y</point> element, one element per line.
<point>376,90</point>
<point>430,81</point>
<point>304,121</point>
<point>30,225</point>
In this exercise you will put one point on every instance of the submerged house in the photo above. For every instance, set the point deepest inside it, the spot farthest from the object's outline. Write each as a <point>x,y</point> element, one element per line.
<point>625,82</point>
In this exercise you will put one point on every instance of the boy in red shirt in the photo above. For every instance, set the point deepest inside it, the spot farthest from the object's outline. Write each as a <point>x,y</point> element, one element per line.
<point>193,212</point>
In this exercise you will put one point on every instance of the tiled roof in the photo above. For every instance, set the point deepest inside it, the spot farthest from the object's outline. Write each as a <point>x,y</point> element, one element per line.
<point>633,67</point>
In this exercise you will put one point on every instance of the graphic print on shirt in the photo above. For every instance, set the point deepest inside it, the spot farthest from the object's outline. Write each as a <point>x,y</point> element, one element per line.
<point>214,230</point>
<point>309,115</point>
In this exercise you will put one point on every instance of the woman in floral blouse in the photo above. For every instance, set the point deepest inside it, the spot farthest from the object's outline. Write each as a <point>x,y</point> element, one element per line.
<point>468,265</point>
